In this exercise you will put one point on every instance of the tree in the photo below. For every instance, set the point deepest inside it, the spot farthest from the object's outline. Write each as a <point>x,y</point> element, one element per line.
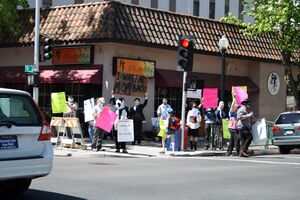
<point>282,18</point>
<point>8,15</point>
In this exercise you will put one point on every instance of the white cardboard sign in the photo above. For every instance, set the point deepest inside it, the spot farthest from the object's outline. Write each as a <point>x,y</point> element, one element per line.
<point>125,130</point>
<point>88,106</point>
<point>194,94</point>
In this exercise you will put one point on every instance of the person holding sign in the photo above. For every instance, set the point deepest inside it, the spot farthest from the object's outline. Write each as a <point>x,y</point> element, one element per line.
<point>193,122</point>
<point>98,133</point>
<point>245,116</point>
<point>209,122</point>
<point>72,108</point>
<point>220,114</point>
<point>173,125</point>
<point>232,126</point>
<point>138,118</point>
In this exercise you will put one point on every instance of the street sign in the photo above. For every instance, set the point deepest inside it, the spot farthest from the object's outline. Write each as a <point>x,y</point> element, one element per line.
<point>30,68</point>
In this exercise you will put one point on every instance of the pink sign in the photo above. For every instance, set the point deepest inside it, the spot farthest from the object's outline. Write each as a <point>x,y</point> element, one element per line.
<point>106,119</point>
<point>240,95</point>
<point>210,97</point>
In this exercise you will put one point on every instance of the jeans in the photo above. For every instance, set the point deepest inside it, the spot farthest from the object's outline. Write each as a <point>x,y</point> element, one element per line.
<point>207,132</point>
<point>234,141</point>
<point>91,130</point>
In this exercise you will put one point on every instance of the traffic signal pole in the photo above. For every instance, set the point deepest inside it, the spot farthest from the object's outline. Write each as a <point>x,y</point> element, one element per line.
<point>35,92</point>
<point>183,110</point>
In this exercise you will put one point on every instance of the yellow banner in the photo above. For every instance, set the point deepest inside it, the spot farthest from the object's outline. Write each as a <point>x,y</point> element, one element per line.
<point>58,102</point>
<point>135,67</point>
<point>226,133</point>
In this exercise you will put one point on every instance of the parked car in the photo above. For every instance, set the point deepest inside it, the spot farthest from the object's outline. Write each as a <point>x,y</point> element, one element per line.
<point>286,131</point>
<point>25,148</point>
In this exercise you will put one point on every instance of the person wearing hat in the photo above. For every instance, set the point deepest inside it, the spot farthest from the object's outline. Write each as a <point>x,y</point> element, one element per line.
<point>98,133</point>
<point>245,116</point>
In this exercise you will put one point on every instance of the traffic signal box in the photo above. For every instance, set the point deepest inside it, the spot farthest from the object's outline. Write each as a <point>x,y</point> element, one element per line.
<point>186,52</point>
<point>47,49</point>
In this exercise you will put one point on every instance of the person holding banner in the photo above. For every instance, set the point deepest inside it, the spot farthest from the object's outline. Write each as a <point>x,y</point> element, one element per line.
<point>138,118</point>
<point>193,122</point>
<point>98,133</point>
<point>232,126</point>
<point>220,114</point>
<point>245,116</point>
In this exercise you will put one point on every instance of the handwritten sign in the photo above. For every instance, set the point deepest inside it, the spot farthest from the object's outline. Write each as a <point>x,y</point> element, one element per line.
<point>131,85</point>
<point>232,91</point>
<point>125,130</point>
<point>240,95</point>
<point>106,119</point>
<point>72,55</point>
<point>210,97</point>
<point>135,67</point>
<point>88,106</point>
<point>194,94</point>
<point>58,102</point>
<point>226,133</point>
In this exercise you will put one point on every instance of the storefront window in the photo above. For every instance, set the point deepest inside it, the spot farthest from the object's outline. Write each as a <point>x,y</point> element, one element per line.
<point>173,95</point>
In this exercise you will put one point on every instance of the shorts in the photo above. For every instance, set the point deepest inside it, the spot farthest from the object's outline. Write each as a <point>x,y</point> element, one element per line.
<point>193,132</point>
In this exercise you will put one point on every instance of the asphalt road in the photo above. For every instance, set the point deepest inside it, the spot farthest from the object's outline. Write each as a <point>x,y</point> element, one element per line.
<point>264,177</point>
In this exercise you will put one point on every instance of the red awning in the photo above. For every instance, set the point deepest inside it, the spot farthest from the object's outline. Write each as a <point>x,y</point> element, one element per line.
<point>171,78</point>
<point>87,75</point>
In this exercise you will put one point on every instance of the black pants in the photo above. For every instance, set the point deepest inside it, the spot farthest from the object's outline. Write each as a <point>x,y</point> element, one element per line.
<point>119,145</point>
<point>98,138</point>
<point>246,138</point>
<point>234,141</point>
<point>207,132</point>
<point>138,131</point>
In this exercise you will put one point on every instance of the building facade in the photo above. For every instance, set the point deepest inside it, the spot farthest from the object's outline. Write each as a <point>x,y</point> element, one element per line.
<point>110,31</point>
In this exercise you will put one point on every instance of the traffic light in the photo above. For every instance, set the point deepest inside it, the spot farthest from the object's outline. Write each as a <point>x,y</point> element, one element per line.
<point>186,52</point>
<point>33,79</point>
<point>47,48</point>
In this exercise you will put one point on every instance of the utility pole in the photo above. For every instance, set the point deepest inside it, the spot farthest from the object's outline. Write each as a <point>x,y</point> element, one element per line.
<point>35,91</point>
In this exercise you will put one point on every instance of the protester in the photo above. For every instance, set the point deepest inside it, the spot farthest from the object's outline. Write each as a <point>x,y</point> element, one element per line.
<point>234,141</point>
<point>91,127</point>
<point>220,115</point>
<point>162,113</point>
<point>209,122</point>
<point>122,114</point>
<point>98,133</point>
<point>138,118</point>
<point>193,122</point>
<point>173,126</point>
<point>245,115</point>
<point>72,108</point>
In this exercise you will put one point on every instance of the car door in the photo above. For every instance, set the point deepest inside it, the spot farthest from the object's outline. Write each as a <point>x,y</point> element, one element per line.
<point>20,127</point>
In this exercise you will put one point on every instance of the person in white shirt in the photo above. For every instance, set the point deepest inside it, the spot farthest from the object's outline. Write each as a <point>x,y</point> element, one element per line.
<point>193,122</point>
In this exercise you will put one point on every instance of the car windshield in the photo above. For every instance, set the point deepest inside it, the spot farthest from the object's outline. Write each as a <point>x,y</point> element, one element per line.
<point>17,110</point>
<point>288,118</point>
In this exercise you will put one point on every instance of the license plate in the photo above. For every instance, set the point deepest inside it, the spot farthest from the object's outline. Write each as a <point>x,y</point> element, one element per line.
<point>8,142</point>
<point>289,132</point>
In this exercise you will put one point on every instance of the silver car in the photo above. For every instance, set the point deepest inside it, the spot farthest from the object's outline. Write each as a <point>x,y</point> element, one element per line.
<point>25,148</point>
<point>286,131</point>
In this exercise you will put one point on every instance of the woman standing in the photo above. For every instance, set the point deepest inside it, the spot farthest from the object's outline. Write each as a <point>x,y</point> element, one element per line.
<point>193,122</point>
<point>232,126</point>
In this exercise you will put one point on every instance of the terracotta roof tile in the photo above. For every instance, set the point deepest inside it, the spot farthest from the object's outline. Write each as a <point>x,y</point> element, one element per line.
<point>114,20</point>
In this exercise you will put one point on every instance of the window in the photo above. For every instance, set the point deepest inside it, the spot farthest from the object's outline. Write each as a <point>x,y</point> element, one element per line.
<point>78,1</point>
<point>47,3</point>
<point>196,8</point>
<point>227,4</point>
<point>173,95</point>
<point>241,8</point>
<point>172,5</point>
<point>154,3</point>
<point>136,2</point>
<point>212,8</point>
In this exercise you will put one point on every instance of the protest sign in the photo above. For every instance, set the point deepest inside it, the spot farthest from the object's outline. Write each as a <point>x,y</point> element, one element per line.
<point>58,102</point>
<point>226,133</point>
<point>125,130</point>
<point>259,131</point>
<point>106,119</point>
<point>88,106</point>
<point>232,90</point>
<point>194,94</point>
<point>240,95</point>
<point>210,97</point>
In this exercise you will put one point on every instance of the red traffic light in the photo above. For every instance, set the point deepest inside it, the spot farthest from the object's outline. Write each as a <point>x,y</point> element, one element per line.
<point>185,43</point>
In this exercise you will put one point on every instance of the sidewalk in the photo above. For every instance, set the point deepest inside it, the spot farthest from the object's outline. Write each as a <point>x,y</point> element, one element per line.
<point>152,149</point>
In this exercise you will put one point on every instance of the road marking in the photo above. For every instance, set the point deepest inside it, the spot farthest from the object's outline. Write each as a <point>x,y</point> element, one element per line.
<point>250,160</point>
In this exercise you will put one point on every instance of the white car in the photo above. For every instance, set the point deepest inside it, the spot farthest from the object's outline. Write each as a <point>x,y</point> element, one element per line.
<point>25,148</point>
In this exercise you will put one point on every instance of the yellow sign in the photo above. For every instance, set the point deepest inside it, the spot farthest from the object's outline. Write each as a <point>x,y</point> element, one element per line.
<point>226,133</point>
<point>135,67</point>
<point>58,102</point>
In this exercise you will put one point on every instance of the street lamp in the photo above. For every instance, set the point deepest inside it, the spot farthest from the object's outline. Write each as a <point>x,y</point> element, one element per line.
<point>223,45</point>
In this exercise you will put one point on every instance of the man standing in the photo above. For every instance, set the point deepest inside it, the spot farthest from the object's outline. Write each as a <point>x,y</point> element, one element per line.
<point>138,118</point>
<point>162,110</point>
<point>245,115</point>
<point>98,133</point>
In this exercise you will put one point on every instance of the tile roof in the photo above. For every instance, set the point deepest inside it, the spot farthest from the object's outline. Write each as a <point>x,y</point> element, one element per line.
<point>116,22</point>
